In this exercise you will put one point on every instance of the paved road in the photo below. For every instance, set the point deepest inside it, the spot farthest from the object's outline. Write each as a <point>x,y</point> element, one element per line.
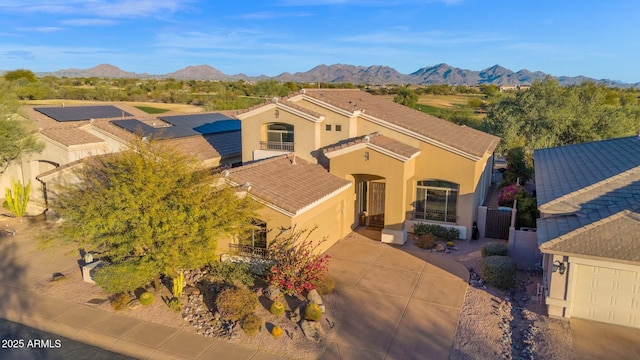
<point>19,342</point>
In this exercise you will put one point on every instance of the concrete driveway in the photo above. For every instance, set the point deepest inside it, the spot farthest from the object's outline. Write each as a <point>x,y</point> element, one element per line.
<point>399,304</point>
<point>594,340</point>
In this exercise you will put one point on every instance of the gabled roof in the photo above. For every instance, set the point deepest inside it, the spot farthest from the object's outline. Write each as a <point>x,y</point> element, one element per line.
<point>69,136</point>
<point>437,131</point>
<point>613,238</point>
<point>587,191</point>
<point>290,184</point>
<point>376,141</point>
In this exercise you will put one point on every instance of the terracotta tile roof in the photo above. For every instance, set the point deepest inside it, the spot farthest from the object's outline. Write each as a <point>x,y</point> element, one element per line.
<point>69,136</point>
<point>387,143</point>
<point>613,238</point>
<point>288,186</point>
<point>211,146</point>
<point>462,138</point>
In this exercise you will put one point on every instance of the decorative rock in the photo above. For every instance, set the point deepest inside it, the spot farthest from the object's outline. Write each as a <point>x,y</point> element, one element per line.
<point>313,330</point>
<point>314,297</point>
<point>134,304</point>
<point>273,293</point>
<point>294,316</point>
<point>439,248</point>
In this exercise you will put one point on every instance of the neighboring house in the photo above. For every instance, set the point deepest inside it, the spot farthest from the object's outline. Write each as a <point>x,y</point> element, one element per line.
<point>72,133</point>
<point>366,160</point>
<point>589,200</point>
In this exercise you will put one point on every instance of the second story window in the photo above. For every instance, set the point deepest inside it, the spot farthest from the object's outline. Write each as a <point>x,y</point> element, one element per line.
<point>279,137</point>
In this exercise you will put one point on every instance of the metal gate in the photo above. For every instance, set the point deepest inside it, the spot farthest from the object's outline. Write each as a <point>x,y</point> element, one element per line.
<point>498,223</point>
<point>376,204</point>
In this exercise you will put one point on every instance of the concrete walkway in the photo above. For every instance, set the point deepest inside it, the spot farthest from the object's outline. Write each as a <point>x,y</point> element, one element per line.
<point>596,341</point>
<point>400,305</point>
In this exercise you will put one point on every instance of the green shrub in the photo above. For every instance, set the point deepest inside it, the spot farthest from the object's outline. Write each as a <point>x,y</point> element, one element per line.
<point>123,277</point>
<point>175,304</point>
<point>119,301</point>
<point>236,303</point>
<point>499,271</point>
<point>251,324</point>
<point>312,312</point>
<point>440,232</point>
<point>232,273</point>
<point>277,308</point>
<point>326,285</point>
<point>426,241</point>
<point>494,248</point>
<point>146,298</point>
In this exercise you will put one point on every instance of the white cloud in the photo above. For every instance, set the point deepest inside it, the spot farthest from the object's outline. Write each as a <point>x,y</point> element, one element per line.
<point>89,22</point>
<point>98,8</point>
<point>40,29</point>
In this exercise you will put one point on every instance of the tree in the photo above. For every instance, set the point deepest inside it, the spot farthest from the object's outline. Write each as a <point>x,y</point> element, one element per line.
<point>19,74</point>
<point>551,115</point>
<point>406,97</point>
<point>15,139</point>
<point>149,211</point>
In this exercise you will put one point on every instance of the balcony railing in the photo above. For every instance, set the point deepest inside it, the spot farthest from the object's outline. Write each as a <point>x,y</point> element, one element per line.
<point>435,215</point>
<point>248,250</point>
<point>276,145</point>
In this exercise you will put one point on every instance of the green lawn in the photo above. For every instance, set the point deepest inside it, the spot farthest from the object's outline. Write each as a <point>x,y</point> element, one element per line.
<point>151,110</point>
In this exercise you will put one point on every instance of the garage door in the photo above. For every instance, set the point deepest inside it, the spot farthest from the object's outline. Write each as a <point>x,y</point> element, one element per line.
<point>607,295</point>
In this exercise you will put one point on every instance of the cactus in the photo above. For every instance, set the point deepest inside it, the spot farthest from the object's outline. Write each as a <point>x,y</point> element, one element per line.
<point>276,331</point>
<point>17,198</point>
<point>313,312</point>
<point>178,284</point>
<point>146,298</point>
<point>277,308</point>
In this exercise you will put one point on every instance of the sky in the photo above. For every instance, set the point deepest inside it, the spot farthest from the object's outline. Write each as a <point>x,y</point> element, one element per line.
<point>594,38</point>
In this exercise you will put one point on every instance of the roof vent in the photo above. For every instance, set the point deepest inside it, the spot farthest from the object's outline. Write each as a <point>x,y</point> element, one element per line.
<point>225,173</point>
<point>366,138</point>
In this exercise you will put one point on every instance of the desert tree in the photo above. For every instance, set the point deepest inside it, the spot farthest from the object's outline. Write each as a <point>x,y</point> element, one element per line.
<point>150,211</point>
<point>15,136</point>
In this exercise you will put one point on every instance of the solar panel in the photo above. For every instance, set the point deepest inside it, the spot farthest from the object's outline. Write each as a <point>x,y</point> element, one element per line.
<point>183,126</point>
<point>78,113</point>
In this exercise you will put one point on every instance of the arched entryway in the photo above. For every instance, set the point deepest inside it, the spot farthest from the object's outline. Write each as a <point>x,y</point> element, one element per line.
<point>370,200</point>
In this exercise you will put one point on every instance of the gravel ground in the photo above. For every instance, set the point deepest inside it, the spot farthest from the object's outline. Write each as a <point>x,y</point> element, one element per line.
<point>492,325</point>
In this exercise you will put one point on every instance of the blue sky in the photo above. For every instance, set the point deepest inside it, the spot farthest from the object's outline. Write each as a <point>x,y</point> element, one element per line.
<point>595,38</point>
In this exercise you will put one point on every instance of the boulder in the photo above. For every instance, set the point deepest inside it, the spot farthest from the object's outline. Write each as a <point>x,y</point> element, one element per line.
<point>314,297</point>
<point>134,304</point>
<point>439,247</point>
<point>313,330</point>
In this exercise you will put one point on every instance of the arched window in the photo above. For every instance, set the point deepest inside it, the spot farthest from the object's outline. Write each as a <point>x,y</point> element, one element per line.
<point>279,137</point>
<point>436,200</point>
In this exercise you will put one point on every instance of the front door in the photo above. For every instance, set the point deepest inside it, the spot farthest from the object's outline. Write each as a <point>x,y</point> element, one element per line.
<point>375,211</point>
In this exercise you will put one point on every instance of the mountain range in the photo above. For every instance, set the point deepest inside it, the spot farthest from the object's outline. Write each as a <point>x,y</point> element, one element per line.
<point>341,73</point>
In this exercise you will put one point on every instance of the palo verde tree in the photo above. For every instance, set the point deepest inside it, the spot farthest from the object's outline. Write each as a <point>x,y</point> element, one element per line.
<point>149,211</point>
<point>15,138</point>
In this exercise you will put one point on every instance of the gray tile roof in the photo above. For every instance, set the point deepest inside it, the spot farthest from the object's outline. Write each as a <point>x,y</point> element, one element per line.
<point>289,184</point>
<point>613,238</point>
<point>582,189</point>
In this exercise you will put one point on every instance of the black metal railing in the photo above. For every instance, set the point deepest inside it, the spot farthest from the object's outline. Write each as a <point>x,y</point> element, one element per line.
<point>248,250</point>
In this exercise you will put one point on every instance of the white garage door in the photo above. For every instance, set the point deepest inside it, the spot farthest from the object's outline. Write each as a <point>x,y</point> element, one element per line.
<point>606,295</point>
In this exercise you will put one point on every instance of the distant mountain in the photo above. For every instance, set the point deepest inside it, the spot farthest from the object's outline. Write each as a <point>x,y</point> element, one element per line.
<point>199,72</point>
<point>341,73</point>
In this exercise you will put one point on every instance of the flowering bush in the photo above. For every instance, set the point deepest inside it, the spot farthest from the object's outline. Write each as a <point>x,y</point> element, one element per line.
<point>508,194</point>
<point>297,267</point>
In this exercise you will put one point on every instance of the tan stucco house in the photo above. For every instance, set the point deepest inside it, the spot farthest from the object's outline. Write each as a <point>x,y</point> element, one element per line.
<point>345,158</point>
<point>72,133</point>
<point>589,200</point>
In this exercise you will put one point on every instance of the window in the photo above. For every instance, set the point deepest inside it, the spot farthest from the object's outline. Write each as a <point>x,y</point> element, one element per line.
<point>338,127</point>
<point>327,127</point>
<point>279,137</point>
<point>257,237</point>
<point>436,200</point>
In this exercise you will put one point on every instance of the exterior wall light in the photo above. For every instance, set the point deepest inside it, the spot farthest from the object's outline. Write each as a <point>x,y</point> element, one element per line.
<point>559,266</point>
<point>277,113</point>
<point>366,156</point>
